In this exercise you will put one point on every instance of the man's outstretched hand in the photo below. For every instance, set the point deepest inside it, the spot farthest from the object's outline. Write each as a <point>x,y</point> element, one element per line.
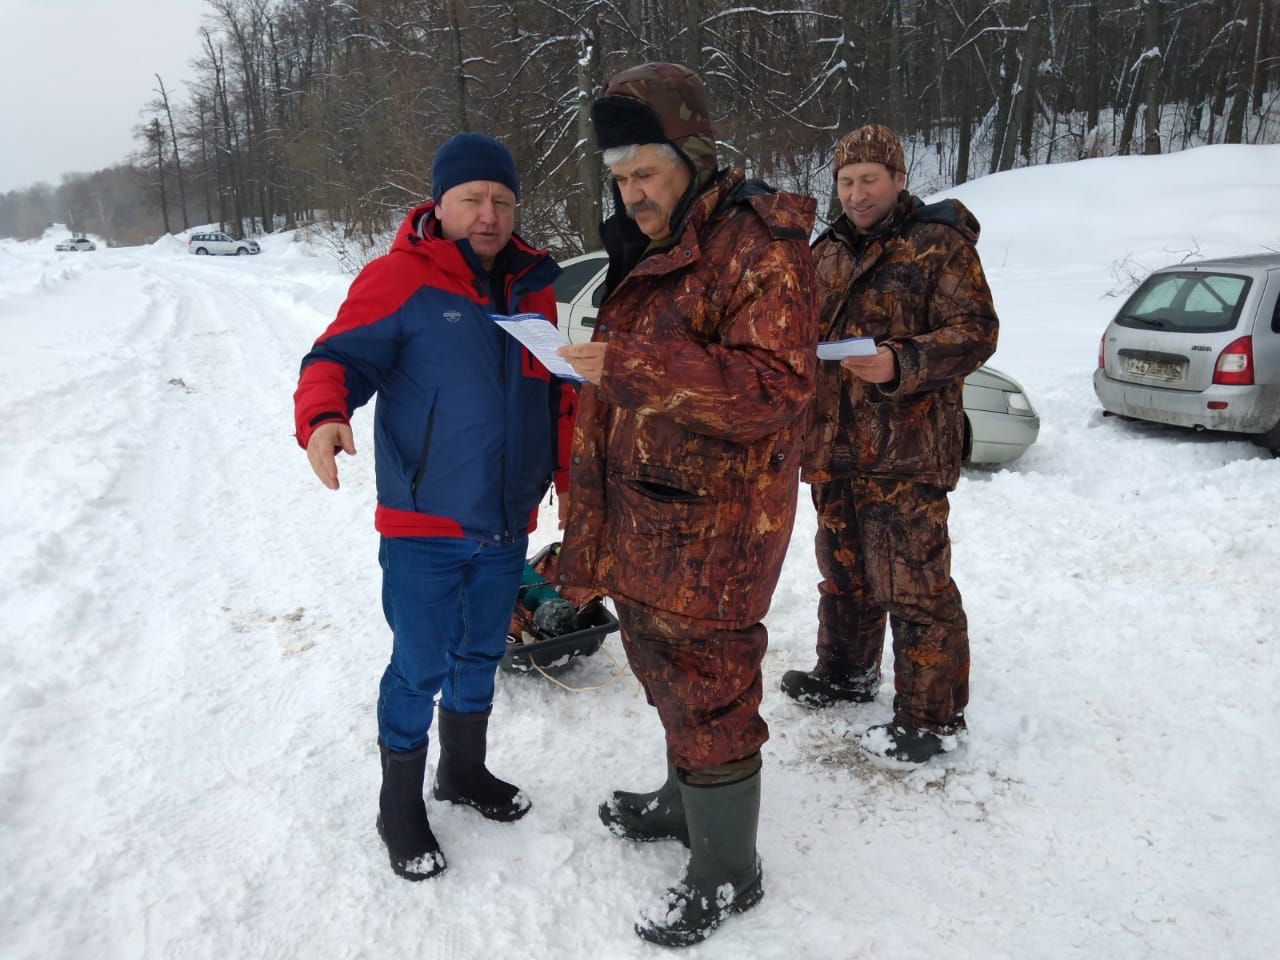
<point>323,447</point>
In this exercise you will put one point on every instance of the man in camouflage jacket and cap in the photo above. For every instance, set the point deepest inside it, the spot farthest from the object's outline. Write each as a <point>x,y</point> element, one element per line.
<point>884,444</point>
<point>685,472</point>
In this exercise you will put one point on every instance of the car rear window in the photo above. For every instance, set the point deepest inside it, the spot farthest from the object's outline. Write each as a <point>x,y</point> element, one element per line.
<point>1191,301</point>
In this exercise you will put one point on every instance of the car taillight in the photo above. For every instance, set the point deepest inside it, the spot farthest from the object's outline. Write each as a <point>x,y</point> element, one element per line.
<point>1235,364</point>
<point>1102,347</point>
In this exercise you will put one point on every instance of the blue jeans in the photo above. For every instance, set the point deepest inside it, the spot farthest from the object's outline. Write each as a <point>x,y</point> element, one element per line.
<point>448,602</point>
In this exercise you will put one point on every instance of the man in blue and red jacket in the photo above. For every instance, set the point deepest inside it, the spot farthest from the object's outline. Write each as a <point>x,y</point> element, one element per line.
<point>469,431</point>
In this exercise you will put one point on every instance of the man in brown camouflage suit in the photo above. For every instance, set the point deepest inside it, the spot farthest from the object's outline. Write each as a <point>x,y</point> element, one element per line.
<point>884,444</point>
<point>685,467</point>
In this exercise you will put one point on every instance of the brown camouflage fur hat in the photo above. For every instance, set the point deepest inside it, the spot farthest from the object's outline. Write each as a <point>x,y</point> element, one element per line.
<point>874,143</point>
<point>657,103</point>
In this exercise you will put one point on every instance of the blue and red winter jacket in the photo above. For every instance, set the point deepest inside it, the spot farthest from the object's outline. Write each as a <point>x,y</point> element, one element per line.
<point>469,427</point>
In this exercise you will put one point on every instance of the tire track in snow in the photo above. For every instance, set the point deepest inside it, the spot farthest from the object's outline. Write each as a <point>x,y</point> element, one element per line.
<point>195,374</point>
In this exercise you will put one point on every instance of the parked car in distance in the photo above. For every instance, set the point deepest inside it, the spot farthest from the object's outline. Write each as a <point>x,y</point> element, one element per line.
<point>221,243</point>
<point>77,245</point>
<point>1198,345</point>
<point>999,421</point>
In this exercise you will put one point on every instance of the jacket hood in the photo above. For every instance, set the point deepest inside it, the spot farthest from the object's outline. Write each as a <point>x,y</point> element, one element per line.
<point>787,215</point>
<point>910,208</point>
<point>532,266</point>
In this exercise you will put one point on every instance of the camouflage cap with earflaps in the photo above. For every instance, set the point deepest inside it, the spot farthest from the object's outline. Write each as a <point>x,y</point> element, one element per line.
<point>874,143</point>
<point>657,103</point>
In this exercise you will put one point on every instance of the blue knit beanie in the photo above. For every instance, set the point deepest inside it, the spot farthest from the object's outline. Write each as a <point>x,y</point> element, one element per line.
<point>472,156</point>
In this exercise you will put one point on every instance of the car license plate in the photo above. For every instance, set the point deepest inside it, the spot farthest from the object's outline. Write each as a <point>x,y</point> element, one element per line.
<point>1154,369</point>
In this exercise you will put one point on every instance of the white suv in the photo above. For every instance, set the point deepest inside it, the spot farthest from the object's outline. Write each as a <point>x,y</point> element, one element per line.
<point>221,243</point>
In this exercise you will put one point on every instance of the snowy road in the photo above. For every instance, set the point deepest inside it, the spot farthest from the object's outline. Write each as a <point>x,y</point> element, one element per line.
<point>191,642</point>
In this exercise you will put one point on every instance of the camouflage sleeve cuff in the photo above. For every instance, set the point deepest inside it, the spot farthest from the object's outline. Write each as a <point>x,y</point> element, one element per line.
<point>907,361</point>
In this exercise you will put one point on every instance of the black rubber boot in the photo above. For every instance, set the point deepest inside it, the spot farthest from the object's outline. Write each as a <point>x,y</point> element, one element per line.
<point>656,815</point>
<point>402,816</point>
<point>723,876</point>
<point>462,777</point>
<point>814,689</point>
<point>905,745</point>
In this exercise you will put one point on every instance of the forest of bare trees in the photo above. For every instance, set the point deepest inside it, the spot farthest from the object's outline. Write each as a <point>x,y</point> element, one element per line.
<point>304,111</point>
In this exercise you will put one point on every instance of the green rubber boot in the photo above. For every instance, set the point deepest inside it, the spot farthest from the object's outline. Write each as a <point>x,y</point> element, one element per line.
<point>723,876</point>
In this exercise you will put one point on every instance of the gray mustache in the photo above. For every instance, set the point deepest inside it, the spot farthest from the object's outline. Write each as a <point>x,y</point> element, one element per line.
<point>635,209</point>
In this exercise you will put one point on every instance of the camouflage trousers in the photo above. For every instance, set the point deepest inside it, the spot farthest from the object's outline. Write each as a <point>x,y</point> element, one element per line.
<point>883,551</point>
<point>704,680</point>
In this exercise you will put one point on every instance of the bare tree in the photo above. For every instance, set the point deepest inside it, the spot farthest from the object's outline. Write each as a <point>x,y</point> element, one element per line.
<point>177,157</point>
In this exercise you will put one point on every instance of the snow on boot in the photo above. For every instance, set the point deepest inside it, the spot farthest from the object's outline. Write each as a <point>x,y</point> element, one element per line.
<point>656,815</point>
<point>814,689</point>
<point>461,776</point>
<point>723,876</point>
<point>905,746</point>
<point>402,816</point>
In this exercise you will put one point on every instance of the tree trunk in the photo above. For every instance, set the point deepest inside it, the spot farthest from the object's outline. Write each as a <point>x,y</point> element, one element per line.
<point>204,160</point>
<point>1266,17</point>
<point>1002,139</point>
<point>1093,69</point>
<point>1151,74</point>
<point>1242,89</point>
<point>966,134</point>
<point>156,135</point>
<point>589,169</point>
<point>460,67</point>
<point>177,159</point>
<point>1131,105</point>
<point>693,39</point>
<point>1026,111</point>
<point>894,78</point>
<point>233,165</point>
<point>635,24</point>
<point>848,100</point>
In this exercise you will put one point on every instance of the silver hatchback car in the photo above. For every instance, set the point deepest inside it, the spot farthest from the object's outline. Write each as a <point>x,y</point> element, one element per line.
<point>221,244</point>
<point>999,421</point>
<point>1198,345</point>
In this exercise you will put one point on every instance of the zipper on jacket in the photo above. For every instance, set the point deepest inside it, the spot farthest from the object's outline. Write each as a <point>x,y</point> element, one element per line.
<point>426,446</point>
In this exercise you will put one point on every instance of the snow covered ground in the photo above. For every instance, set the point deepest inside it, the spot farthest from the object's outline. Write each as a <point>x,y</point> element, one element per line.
<point>191,641</point>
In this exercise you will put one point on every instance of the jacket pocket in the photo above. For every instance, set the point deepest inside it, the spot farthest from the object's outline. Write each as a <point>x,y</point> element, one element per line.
<point>893,434</point>
<point>653,511</point>
<point>424,457</point>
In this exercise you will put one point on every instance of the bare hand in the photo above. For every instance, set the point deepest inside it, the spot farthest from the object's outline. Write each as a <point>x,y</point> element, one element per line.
<point>325,442</point>
<point>586,358</point>
<point>881,368</point>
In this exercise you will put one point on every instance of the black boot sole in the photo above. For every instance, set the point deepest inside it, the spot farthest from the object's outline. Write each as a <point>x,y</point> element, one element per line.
<point>401,867</point>
<point>747,898</point>
<point>499,813</point>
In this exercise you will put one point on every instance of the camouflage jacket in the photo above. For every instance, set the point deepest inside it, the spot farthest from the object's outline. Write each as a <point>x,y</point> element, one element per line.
<point>685,465</point>
<point>915,285</point>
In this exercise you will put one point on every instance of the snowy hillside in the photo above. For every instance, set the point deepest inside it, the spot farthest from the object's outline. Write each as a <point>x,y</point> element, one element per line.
<point>191,640</point>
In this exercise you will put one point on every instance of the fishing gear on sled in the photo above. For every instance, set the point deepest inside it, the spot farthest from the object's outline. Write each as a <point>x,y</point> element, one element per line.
<point>548,632</point>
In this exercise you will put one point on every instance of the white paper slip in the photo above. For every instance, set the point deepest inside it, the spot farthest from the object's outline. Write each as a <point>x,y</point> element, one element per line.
<point>542,337</point>
<point>851,347</point>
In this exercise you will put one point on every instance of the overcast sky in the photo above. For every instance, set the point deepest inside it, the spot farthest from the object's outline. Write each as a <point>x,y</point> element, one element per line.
<point>75,73</point>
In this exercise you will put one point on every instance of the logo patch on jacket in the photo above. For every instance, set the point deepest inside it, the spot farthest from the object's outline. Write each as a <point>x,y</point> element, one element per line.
<point>453,316</point>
